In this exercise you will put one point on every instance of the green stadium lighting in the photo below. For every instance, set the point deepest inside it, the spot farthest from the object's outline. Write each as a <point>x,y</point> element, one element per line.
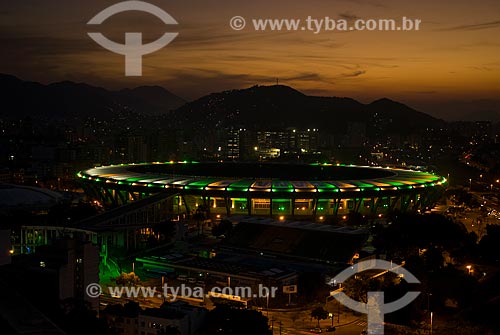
<point>254,188</point>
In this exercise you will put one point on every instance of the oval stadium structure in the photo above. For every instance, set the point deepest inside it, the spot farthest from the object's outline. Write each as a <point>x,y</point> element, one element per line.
<point>283,191</point>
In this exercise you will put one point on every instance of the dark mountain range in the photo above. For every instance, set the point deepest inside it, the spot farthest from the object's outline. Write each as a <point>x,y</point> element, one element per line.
<point>480,115</point>
<point>278,107</point>
<point>258,107</point>
<point>150,99</point>
<point>69,100</point>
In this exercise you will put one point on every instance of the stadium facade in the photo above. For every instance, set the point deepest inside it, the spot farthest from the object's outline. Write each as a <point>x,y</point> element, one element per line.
<point>281,191</point>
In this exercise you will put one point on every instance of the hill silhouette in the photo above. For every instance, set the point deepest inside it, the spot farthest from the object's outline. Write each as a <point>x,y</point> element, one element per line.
<point>68,99</point>
<point>279,107</point>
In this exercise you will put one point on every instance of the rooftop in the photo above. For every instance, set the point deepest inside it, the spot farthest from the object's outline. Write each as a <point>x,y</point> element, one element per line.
<point>297,240</point>
<point>269,177</point>
<point>15,197</point>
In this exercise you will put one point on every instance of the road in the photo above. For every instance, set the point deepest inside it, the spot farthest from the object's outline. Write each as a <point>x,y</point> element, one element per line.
<point>475,220</point>
<point>300,322</point>
<point>292,323</point>
<point>351,329</point>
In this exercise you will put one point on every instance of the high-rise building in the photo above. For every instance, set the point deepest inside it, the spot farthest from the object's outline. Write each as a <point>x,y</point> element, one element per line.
<point>137,149</point>
<point>130,319</point>
<point>233,144</point>
<point>74,264</point>
<point>5,247</point>
<point>307,141</point>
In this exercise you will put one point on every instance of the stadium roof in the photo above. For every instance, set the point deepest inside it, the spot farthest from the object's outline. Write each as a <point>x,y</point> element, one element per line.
<point>271,177</point>
<point>14,197</point>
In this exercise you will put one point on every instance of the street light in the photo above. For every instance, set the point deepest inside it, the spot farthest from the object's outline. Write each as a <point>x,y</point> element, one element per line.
<point>470,183</point>
<point>431,321</point>
<point>429,308</point>
<point>469,267</point>
<point>267,308</point>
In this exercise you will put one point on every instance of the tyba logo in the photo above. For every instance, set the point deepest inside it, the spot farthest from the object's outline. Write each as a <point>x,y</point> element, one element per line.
<point>133,49</point>
<point>376,308</point>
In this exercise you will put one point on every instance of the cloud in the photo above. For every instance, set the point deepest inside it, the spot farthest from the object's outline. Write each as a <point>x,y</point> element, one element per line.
<point>369,3</point>
<point>348,16</point>
<point>196,74</point>
<point>476,26</point>
<point>353,74</point>
<point>481,68</point>
<point>425,92</point>
<point>45,46</point>
<point>308,77</point>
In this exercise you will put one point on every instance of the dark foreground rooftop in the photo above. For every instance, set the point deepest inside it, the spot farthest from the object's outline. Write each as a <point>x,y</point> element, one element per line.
<point>301,240</point>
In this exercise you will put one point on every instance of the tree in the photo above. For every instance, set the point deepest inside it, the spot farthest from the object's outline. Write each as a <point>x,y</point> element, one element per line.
<point>355,219</point>
<point>199,216</point>
<point>434,259</point>
<point>165,230</point>
<point>294,317</point>
<point>223,228</point>
<point>489,244</point>
<point>227,320</point>
<point>319,313</point>
<point>128,279</point>
<point>132,308</point>
<point>410,232</point>
<point>169,330</point>
<point>78,318</point>
<point>357,287</point>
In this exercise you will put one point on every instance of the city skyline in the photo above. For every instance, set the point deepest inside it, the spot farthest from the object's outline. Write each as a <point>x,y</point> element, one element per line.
<point>448,67</point>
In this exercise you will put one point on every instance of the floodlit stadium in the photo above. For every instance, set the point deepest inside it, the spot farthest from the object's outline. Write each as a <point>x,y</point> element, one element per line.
<point>281,191</point>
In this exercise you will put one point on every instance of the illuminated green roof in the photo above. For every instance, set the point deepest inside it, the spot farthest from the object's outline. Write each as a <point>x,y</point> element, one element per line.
<point>246,177</point>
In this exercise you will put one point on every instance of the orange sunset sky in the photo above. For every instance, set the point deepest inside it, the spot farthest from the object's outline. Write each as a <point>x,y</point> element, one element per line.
<point>452,64</point>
